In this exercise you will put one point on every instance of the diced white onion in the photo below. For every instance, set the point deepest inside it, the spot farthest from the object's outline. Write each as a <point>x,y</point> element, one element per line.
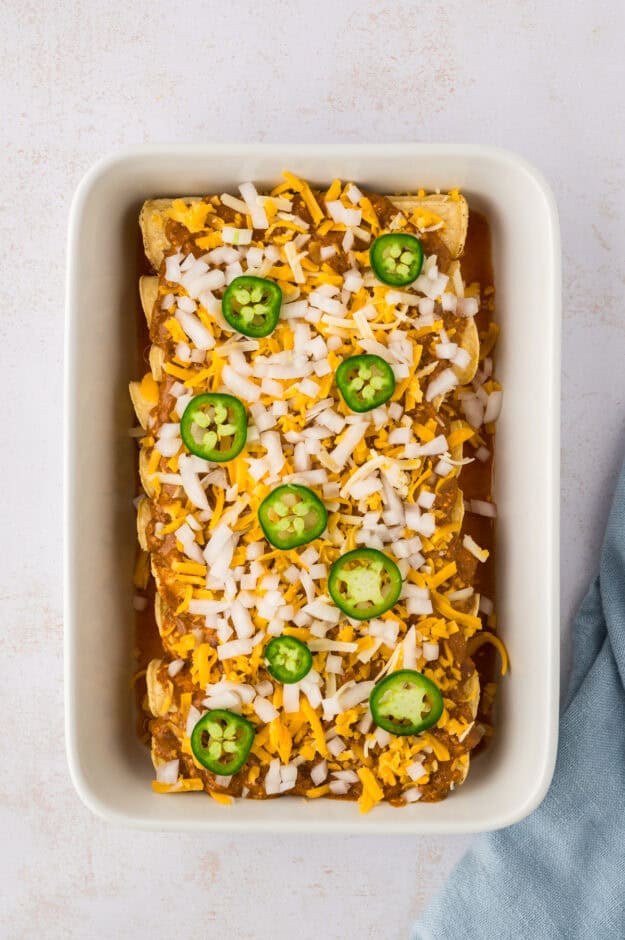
<point>351,695</point>
<point>263,419</point>
<point>352,281</point>
<point>467,307</point>
<point>170,479</point>
<point>275,455</point>
<point>168,772</point>
<point>471,546</point>
<point>462,595</point>
<point>193,716</point>
<point>319,773</point>
<point>412,795</point>
<point>272,778</point>
<point>191,483</point>
<point>493,406</point>
<point>426,525</point>
<point>446,350</point>
<point>351,438</point>
<point>301,458</point>
<point>239,386</point>
<point>172,268</point>
<point>461,358</point>
<point>321,301</point>
<point>294,310</point>
<point>442,468</point>
<point>256,211</point>
<point>449,302</point>
<point>416,770</point>
<point>473,410</point>
<point>336,746</point>
<point>309,388</point>
<point>441,384</point>
<point>288,777</point>
<point>241,620</point>
<point>400,435</point>
<point>331,420</point>
<point>206,608</point>
<point>334,663</point>
<point>234,648</point>
<point>483,508</point>
<point>417,605</point>
<point>342,214</point>
<point>294,261</point>
<point>216,545</point>
<point>195,329</point>
<point>290,697</point>
<point>236,236</point>
<point>233,203</point>
<point>322,611</point>
<point>233,271</point>
<point>264,709</point>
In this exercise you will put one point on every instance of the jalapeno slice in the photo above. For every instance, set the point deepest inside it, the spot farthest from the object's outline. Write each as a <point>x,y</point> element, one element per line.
<point>406,702</point>
<point>214,426</point>
<point>364,583</point>
<point>292,515</point>
<point>221,741</point>
<point>396,258</point>
<point>288,659</point>
<point>251,305</point>
<point>365,382</point>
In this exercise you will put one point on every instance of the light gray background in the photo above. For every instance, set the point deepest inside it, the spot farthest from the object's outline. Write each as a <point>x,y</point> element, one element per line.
<point>81,78</point>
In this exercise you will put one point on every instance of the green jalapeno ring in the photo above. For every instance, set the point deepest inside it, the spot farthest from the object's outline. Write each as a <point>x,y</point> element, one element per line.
<point>292,515</point>
<point>221,741</point>
<point>365,382</point>
<point>396,258</point>
<point>214,426</point>
<point>364,576</point>
<point>288,659</point>
<point>251,305</point>
<point>406,702</point>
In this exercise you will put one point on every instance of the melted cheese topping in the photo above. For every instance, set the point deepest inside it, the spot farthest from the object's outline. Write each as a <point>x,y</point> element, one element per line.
<point>387,477</point>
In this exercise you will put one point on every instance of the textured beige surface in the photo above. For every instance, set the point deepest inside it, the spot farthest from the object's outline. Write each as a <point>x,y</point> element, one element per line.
<point>77,82</point>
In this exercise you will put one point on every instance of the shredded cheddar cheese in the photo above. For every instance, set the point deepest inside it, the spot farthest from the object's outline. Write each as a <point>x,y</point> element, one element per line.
<point>390,479</point>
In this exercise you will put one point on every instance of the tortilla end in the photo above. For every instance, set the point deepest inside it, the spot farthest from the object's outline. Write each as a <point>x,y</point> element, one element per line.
<point>160,694</point>
<point>473,691</point>
<point>157,760</point>
<point>152,224</point>
<point>143,517</point>
<point>156,360</point>
<point>152,219</point>
<point>454,211</point>
<point>146,479</point>
<point>457,512</point>
<point>142,405</point>
<point>148,293</point>
<point>470,342</point>
<point>465,761</point>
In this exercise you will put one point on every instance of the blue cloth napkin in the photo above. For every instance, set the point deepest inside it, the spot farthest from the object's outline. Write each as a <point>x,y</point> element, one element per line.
<point>560,873</point>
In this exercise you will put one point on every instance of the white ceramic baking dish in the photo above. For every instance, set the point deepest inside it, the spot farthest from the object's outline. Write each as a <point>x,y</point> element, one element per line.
<point>110,769</point>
